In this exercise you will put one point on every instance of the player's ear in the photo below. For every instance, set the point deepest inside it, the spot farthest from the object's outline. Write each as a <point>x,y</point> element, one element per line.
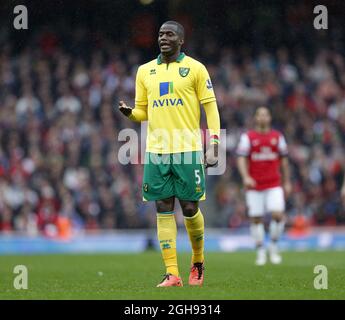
<point>181,42</point>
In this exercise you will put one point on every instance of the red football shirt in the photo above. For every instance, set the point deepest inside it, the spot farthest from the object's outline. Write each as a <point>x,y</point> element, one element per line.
<point>264,152</point>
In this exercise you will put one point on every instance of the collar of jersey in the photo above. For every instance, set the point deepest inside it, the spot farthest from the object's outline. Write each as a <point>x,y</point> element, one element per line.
<point>178,59</point>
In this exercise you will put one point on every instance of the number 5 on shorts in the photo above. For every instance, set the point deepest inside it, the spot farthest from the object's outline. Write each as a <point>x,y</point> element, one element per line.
<point>197,176</point>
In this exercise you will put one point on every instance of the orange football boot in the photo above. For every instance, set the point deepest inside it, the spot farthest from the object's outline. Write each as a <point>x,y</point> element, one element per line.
<point>196,276</point>
<point>170,280</point>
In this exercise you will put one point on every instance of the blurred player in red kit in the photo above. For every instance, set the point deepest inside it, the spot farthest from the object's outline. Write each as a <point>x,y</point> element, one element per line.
<point>262,156</point>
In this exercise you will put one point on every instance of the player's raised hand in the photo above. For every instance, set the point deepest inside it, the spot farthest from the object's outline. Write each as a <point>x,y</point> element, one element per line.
<point>126,110</point>
<point>211,156</point>
<point>249,182</point>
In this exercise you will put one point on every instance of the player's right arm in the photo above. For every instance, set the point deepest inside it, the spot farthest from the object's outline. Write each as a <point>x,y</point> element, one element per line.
<point>242,165</point>
<point>243,149</point>
<point>139,113</point>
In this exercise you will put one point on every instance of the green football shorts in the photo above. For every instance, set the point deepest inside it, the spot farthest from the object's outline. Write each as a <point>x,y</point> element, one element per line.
<point>176,174</point>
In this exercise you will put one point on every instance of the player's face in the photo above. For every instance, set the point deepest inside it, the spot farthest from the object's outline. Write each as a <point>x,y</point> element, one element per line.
<point>263,117</point>
<point>168,39</point>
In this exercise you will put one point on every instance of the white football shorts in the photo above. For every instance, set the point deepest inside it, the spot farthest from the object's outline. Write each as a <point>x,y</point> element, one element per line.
<point>264,201</point>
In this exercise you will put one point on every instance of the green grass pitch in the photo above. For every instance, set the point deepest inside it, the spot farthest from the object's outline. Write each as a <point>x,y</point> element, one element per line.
<point>134,276</point>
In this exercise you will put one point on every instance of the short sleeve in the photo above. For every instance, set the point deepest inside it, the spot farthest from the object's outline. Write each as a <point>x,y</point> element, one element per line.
<point>204,86</point>
<point>282,146</point>
<point>140,89</point>
<point>243,147</point>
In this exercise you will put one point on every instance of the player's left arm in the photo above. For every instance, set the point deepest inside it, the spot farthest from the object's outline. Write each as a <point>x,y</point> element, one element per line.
<point>285,167</point>
<point>213,124</point>
<point>286,176</point>
<point>206,96</point>
<point>342,191</point>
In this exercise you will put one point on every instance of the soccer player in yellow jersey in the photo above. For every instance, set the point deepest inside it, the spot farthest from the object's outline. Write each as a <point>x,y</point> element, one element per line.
<point>168,94</point>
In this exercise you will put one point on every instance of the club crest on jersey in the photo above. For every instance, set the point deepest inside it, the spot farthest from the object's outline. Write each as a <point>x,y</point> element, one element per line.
<point>274,141</point>
<point>183,71</point>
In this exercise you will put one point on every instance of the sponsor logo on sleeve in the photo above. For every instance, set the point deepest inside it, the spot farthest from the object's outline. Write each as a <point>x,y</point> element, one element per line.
<point>209,84</point>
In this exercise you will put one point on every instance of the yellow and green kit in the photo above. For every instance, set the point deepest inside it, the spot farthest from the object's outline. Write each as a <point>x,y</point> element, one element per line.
<point>169,97</point>
<point>175,174</point>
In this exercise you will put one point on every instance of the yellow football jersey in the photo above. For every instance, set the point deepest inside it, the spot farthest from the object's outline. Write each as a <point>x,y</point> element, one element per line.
<point>172,94</point>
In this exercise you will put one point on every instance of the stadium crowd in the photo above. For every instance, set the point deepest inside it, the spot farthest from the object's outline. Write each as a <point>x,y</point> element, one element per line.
<point>59,127</point>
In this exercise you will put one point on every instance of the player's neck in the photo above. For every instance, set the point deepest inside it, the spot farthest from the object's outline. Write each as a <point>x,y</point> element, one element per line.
<point>170,58</point>
<point>263,129</point>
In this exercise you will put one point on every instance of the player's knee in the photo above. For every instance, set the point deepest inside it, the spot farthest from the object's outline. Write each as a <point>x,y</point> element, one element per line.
<point>165,205</point>
<point>189,209</point>
<point>277,216</point>
<point>256,220</point>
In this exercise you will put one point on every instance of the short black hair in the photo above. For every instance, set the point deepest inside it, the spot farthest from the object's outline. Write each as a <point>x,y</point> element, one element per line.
<point>263,107</point>
<point>179,27</point>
